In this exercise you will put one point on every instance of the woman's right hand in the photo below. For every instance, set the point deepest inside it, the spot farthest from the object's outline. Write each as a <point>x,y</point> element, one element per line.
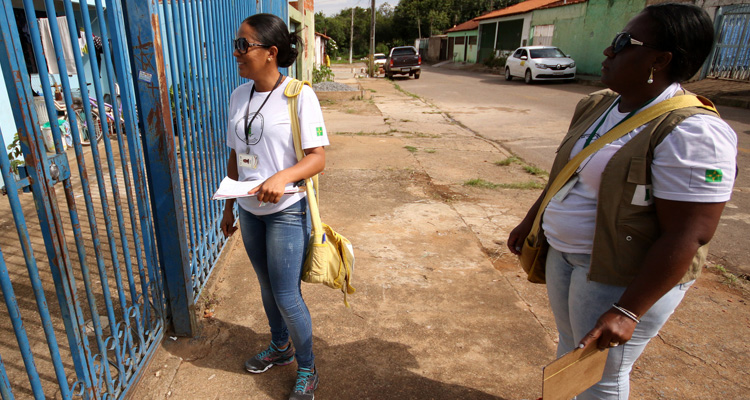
<point>518,235</point>
<point>227,222</point>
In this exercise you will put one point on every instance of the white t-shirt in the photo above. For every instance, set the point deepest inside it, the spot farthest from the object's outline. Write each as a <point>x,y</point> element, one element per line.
<point>271,136</point>
<point>695,163</point>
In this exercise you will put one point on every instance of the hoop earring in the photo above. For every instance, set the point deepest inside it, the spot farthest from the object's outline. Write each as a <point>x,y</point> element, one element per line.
<point>651,77</point>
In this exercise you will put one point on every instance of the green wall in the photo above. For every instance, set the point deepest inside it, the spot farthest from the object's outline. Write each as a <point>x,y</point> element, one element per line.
<point>459,49</point>
<point>584,30</point>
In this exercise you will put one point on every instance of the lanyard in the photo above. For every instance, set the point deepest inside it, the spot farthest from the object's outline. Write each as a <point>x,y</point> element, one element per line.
<point>593,135</point>
<point>248,125</point>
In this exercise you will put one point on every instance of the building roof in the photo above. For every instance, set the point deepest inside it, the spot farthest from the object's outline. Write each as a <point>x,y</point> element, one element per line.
<point>469,25</point>
<point>560,3</point>
<point>520,8</point>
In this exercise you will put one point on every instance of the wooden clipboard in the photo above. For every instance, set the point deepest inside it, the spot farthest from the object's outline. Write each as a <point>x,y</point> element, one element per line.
<point>573,373</point>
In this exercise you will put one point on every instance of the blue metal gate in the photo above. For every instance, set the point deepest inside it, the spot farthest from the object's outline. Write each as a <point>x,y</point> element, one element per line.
<point>730,58</point>
<point>119,193</point>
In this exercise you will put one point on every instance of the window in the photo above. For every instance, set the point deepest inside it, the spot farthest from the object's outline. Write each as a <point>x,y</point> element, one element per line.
<point>472,40</point>
<point>551,52</point>
<point>460,40</point>
<point>518,53</point>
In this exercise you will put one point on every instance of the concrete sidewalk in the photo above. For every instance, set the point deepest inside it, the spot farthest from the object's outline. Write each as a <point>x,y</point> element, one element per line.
<point>441,311</point>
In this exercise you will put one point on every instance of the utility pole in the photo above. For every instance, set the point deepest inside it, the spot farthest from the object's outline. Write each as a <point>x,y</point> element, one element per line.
<point>372,40</point>
<point>351,38</point>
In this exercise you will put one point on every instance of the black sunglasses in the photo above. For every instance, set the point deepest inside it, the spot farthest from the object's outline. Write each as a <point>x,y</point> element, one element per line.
<point>623,39</point>
<point>242,45</point>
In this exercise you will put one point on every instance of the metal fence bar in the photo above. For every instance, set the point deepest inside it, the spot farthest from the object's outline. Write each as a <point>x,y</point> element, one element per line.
<point>23,340</point>
<point>116,196</point>
<point>186,84</point>
<point>147,58</point>
<point>38,166</point>
<point>135,298</point>
<point>103,197</point>
<point>122,68</point>
<point>173,34</point>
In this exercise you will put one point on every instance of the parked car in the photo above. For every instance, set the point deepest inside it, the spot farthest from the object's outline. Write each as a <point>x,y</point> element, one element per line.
<point>539,63</point>
<point>403,60</point>
<point>379,59</point>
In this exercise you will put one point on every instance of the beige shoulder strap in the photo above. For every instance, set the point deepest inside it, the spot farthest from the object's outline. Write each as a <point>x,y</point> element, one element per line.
<point>615,133</point>
<point>292,91</point>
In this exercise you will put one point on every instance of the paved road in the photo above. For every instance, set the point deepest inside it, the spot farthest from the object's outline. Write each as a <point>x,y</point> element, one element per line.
<point>529,120</point>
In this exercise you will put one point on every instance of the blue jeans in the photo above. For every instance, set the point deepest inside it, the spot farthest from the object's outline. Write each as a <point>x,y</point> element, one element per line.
<point>277,244</point>
<point>577,304</point>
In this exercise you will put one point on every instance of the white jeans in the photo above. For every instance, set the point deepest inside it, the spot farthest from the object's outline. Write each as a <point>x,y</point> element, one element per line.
<point>577,304</point>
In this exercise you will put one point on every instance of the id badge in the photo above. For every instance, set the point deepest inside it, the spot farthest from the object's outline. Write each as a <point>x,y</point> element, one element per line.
<point>249,161</point>
<point>563,192</point>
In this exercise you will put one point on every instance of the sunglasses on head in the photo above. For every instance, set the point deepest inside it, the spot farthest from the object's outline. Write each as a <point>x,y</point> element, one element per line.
<point>242,45</point>
<point>623,39</point>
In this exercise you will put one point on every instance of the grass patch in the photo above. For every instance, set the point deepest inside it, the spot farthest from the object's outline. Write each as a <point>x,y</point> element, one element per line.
<point>507,161</point>
<point>528,185</point>
<point>481,183</point>
<point>411,149</point>
<point>534,170</point>
<point>405,92</point>
<point>430,151</point>
<point>730,279</point>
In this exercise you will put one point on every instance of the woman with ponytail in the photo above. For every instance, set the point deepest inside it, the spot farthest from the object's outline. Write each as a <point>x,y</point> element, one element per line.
<point>275,225</point>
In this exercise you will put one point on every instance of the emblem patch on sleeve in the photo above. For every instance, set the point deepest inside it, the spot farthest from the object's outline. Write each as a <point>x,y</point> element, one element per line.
<point>714,175</point>
<point>319,131</point>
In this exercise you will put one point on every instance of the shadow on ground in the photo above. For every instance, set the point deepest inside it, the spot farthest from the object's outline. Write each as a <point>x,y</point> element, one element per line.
<point>365,369</point>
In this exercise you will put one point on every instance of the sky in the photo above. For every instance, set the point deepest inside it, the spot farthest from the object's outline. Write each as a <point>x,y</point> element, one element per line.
<point>332,7</point>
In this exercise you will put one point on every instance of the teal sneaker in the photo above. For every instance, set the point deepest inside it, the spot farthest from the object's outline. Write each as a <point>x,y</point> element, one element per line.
<point>270,357</point>
<point>307,382</point>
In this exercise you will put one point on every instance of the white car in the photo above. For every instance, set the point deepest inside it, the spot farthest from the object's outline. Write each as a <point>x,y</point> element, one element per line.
<point>379,59</point>
<point>539,63</point>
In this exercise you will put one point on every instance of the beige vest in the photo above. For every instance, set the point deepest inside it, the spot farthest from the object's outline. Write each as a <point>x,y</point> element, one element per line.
<point>624,231</point>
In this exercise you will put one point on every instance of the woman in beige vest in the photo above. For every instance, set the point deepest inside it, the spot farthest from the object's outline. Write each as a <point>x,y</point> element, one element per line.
<point>627,235</point>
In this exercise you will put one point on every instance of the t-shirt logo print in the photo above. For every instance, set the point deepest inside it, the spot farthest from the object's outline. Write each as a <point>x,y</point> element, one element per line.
<point>254,133</point>
<point>319,131</point>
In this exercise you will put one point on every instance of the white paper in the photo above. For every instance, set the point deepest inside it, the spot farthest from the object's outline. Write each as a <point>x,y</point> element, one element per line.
<point>231,189</point>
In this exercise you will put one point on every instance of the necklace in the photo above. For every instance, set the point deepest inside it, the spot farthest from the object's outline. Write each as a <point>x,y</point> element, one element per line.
<point>248,125</point>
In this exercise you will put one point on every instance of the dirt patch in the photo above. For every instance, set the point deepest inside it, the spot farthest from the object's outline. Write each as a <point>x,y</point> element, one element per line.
<point>354,107</point>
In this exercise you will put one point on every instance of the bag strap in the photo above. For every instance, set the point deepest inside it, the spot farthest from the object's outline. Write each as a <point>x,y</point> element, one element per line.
<point>292,91</point>
<point>615,133</point>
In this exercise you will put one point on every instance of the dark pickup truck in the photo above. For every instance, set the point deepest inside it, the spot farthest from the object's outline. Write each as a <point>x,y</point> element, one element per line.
<point>403,60</point>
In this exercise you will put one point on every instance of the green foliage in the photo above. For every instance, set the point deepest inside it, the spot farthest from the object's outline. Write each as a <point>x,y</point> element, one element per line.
<point>495,62</point>
<point>481,183</point>
<point>411,149</point>
<point>507,161</point>
<point>322,74</point>
<point>15,154</point>
<point>400,25</point>
<point>534,170</point>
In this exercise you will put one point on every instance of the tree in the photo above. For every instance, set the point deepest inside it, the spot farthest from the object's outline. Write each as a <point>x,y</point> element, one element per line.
<point>401,25</point>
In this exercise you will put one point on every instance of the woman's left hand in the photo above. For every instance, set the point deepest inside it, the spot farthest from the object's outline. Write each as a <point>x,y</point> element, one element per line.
<point>611,330</point>
<point>271,190</point>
